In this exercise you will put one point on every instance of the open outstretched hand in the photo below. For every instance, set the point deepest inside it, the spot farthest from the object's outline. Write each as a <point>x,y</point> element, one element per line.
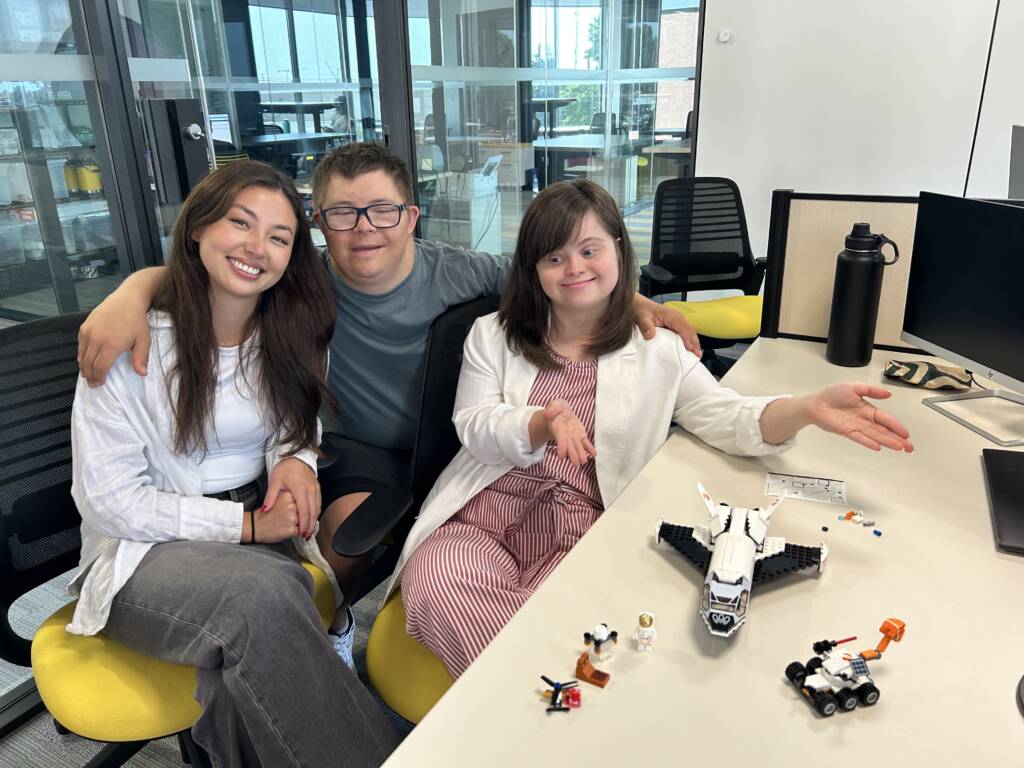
<point>568,432</point>
<point>843,409</point>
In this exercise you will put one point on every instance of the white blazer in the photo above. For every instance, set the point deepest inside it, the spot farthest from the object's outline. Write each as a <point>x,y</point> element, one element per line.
<point>641,389</point>
<point>133,490</point>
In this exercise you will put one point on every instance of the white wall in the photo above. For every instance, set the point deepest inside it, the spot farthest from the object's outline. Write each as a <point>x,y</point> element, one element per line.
<point>1003,105</point>
<point>869,97</point>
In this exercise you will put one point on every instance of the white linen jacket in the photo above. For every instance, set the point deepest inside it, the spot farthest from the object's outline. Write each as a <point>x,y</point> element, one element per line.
<point>641,390</point>
<point>133,490</point>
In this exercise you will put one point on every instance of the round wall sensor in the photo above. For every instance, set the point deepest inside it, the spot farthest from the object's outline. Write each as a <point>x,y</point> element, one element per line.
<point>725,36</point>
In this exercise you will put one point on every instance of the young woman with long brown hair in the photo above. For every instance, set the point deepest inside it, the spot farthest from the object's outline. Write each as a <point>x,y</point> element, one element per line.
<point>168,479</point>
<point>560,405</point>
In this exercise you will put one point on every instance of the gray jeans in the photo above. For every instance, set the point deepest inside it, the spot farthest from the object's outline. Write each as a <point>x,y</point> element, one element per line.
<point>273,691</point>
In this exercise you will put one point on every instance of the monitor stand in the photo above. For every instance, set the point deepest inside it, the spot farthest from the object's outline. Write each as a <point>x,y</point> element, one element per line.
<point>994,414</point>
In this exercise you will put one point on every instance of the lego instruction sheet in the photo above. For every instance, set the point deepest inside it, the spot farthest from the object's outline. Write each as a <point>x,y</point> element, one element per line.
<point>822,489</point>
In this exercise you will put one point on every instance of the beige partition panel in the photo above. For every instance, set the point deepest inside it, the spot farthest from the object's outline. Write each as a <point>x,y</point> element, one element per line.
<point>817,233</point>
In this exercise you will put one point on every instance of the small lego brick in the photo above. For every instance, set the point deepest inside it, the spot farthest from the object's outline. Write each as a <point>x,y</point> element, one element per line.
<point>877,532</point>
<point>586,672</point>
<point>868,523</point>
<point>824,528</point>
<point>849,515</point>
<point>572,697</point>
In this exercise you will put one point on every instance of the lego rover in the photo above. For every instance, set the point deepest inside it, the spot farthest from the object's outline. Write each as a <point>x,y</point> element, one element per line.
<point>831,682</point>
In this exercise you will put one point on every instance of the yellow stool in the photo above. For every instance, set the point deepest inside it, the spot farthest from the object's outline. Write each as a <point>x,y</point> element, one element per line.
<point>735,317</point>
<point>409,678</point>
<point>102,690</point>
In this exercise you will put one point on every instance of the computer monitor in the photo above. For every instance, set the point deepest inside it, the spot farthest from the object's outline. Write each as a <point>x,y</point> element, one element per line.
<point>965,303</point>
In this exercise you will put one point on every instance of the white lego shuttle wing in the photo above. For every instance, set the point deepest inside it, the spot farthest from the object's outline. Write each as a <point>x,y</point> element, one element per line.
<point>719,513</point>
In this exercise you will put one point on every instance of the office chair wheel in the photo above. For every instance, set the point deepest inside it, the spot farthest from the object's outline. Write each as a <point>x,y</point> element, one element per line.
<point>60,728</point>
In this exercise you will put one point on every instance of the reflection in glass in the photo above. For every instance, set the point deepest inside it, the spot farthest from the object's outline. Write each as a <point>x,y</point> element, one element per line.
<point>552,90</point>
<point>283,82</point>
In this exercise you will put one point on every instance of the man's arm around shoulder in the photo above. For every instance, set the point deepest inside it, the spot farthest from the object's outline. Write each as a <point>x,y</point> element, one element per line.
<point>117,325</point>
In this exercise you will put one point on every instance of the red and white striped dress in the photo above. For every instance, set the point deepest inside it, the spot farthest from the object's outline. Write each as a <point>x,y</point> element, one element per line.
<point>468,578</point>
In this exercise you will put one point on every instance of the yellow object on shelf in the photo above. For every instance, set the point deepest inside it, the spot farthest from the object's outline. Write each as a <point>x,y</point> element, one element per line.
<point>89,179</point>
<point>71,176</point>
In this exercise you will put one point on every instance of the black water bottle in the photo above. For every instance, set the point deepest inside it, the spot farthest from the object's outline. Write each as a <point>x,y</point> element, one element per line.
<point>858,285</point>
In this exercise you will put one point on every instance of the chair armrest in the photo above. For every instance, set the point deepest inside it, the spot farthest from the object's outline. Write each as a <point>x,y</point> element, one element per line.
<point>757,278</point>
<point>656,273</point>
<point>370,521</point>
<point>327,458</point>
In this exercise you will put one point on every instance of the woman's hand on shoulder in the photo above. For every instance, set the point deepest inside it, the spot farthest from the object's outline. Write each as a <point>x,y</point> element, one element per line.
<point>843,409</point>
<point>568,432</point>
<point>298,479</point>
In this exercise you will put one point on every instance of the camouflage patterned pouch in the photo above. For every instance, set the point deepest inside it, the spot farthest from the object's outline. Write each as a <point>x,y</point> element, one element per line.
<point>928,375</point>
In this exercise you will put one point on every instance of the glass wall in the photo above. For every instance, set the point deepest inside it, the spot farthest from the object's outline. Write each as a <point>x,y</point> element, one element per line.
<point>511,95</point>
<point>282,81</point>
<point>57,244</point>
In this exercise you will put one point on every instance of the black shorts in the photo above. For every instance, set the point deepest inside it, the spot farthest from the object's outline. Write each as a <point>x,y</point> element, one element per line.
<point>360,467</point>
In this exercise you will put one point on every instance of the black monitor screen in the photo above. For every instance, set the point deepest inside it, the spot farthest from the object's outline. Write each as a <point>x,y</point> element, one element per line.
<point>965,298</point>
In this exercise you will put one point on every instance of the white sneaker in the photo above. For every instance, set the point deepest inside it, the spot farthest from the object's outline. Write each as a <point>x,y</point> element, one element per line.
<point>343,642</point>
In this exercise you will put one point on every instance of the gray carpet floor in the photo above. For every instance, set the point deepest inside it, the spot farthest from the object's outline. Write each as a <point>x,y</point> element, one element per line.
<point>37,745</point>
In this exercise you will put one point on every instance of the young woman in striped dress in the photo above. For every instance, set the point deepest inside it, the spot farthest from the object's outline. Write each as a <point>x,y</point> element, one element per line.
<point>560,404</point>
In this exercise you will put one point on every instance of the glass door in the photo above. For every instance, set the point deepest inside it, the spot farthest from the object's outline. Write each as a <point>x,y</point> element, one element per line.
<point>283,81</point>
<point>58,239</point>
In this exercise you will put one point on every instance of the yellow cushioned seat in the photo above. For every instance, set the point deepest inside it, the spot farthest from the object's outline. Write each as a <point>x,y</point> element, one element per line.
<point>409,678</point>
<point>735,317</point>
<point>102,690</point>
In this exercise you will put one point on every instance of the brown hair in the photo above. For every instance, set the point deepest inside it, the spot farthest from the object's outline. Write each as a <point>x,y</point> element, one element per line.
<point>356,159</point>
<point>292,324</point>
<point>551,221</point>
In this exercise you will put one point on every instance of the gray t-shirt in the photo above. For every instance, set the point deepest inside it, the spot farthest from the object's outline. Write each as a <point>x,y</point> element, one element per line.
<point>380,342</point>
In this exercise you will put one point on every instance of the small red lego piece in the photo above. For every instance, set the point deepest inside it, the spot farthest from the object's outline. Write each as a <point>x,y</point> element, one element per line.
<point>571,697</point>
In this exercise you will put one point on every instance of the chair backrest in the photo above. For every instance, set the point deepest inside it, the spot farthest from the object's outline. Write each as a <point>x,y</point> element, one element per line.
<point>700,231</point>
<point>39,524</point>
<point>436,441</point>
<point>597,122</point>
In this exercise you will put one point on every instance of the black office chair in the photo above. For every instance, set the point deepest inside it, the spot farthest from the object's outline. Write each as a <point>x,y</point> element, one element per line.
<point>700,243</point>
<point>91,685</point>
<point>408,677</point>
<point>597,123</point>
<point>436,444</point>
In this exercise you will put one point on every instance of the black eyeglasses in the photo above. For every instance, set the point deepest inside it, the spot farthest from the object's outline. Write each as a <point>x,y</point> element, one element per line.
<point>380,215</point>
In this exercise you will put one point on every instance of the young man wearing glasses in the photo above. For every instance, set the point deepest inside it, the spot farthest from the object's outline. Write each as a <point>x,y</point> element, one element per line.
<point>390,287</point>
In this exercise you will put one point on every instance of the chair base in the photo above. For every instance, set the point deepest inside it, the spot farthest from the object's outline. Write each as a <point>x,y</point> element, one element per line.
<point>116,755</point>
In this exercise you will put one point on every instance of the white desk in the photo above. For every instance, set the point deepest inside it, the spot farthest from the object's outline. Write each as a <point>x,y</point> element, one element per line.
<point>947,691</point>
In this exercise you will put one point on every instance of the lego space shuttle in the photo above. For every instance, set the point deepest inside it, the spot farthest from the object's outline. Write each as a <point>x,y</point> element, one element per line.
<point>734,553</point>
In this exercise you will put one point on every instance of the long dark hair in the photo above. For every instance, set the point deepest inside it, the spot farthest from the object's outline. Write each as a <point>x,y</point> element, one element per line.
<point>552,219</point>
<point>292,324</point>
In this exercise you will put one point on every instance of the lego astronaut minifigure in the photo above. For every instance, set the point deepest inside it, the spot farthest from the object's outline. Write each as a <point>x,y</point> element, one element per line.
<point>602,639</point>
<point>645,634</point>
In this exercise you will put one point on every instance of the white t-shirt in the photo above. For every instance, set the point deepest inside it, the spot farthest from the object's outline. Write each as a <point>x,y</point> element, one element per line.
<point>237,441</point>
